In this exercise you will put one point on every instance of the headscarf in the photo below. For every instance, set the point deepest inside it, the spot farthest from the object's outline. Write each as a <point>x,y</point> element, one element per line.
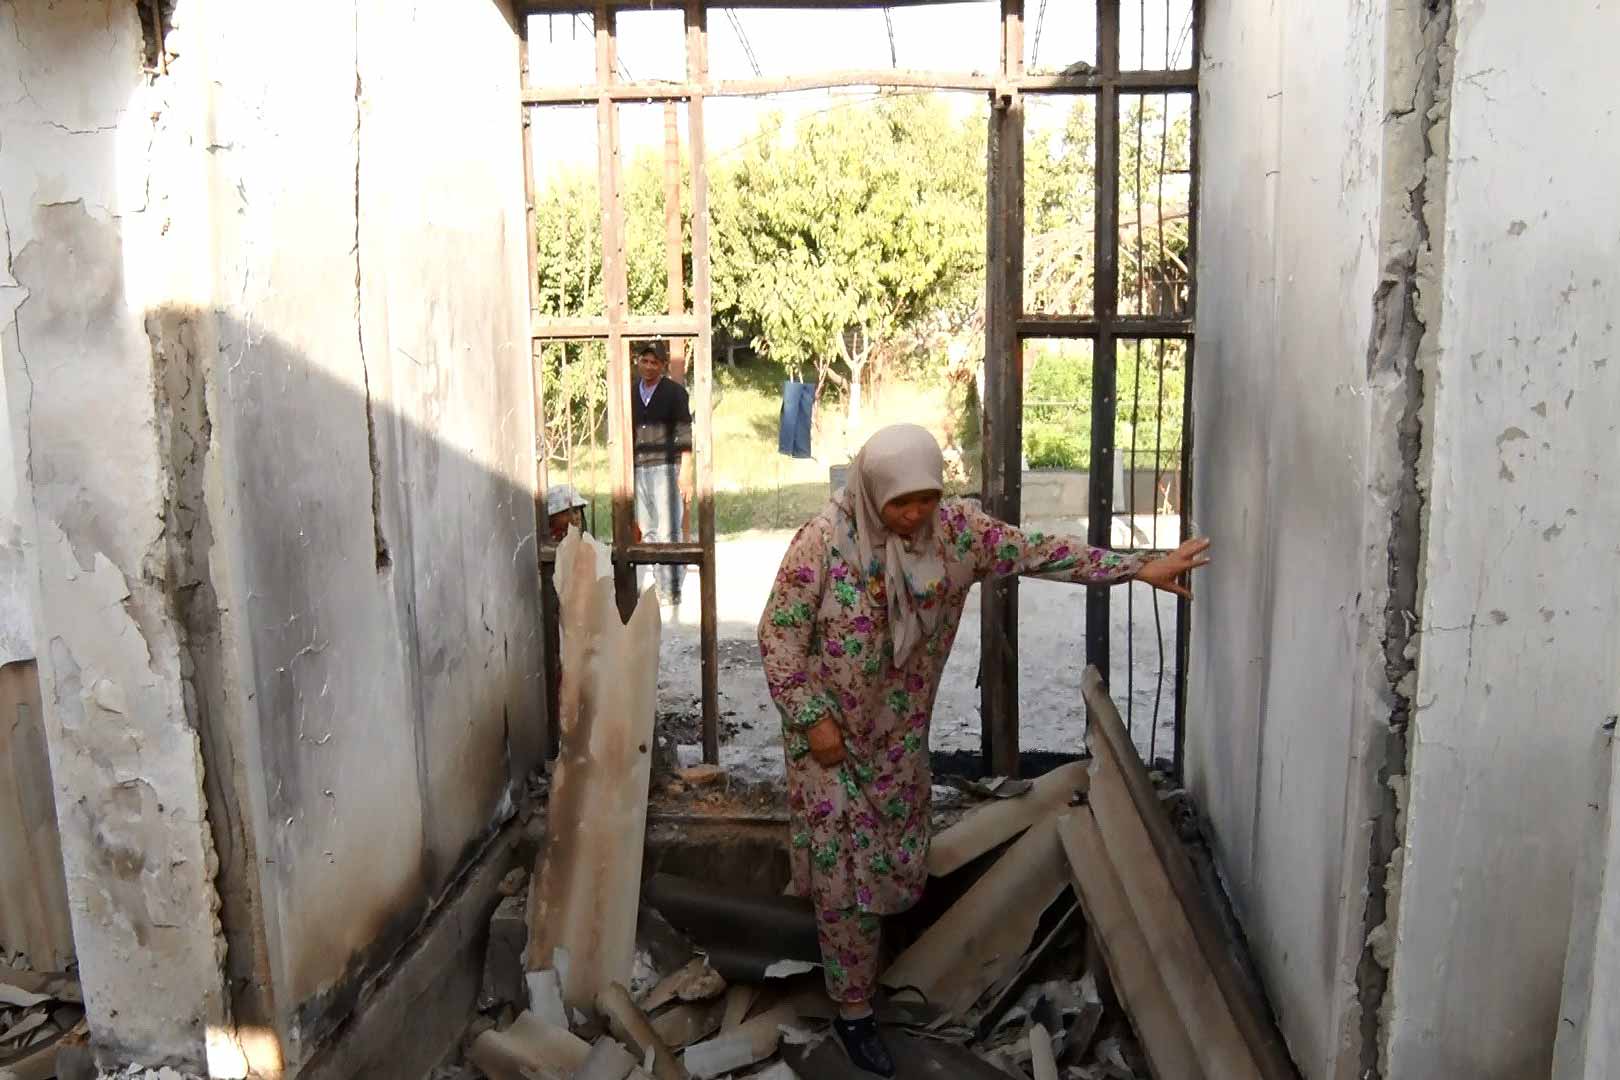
<point>899,460</point>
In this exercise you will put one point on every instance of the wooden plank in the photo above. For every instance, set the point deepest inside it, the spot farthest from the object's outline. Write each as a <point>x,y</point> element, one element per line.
<point>630,326</point>
<point>649,554</point>
<point>1089,326</point>
<point>674,271</point>
<point>1198,999</point>
<point>1003,405</point>
<point>538,7</point>
<point>34,909</point>
<point>1130,965</point>
<point>616,291</point>
<point>1001,86</point>
<point>542,477</point>
<point>697,69</point>
<point>1117,755</point>
<point>551,661</point>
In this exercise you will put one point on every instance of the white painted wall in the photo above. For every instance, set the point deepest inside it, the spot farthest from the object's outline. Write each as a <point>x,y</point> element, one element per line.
<point>1321,181</point>
<point>1286,629</point>
<point>1521,601</point>
<point>270,306</point>
<point>1588,1043</point>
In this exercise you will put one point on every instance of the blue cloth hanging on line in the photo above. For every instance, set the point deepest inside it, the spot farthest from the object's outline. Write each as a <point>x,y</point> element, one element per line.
<point>798,402</point>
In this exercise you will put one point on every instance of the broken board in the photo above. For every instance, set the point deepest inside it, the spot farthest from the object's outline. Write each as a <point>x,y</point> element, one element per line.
<point>984,935</point>
<point>1203,1009</point>
<point>586,886</point>
<point>1137,981</point>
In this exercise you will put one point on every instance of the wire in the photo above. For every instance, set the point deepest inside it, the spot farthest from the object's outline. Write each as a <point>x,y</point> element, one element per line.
<point>888,21</point>
<point>742,38</point>
<point>1040,24</point>
<point>624,72</point>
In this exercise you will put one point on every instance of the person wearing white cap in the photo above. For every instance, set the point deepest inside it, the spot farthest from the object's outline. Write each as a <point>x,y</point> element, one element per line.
<point>564,507</point>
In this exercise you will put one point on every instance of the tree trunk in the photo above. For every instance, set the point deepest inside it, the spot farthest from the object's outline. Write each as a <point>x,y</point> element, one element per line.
<point>857,376</point>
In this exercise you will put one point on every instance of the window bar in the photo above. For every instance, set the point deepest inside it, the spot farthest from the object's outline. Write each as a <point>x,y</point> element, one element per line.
<point>1158,472</point>
<point>615,290</point>
<point>697,70</point>
<point>1183,607</point>
<point>1100,509</point>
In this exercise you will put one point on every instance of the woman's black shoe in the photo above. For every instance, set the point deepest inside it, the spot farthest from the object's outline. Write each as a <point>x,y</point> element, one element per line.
<point>863,1045</point>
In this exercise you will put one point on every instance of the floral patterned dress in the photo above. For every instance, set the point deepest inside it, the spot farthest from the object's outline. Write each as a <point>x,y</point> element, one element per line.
<point>860,830</point>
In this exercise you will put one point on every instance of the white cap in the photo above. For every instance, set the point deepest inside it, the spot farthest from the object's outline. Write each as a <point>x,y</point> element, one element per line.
<point>563,497</point>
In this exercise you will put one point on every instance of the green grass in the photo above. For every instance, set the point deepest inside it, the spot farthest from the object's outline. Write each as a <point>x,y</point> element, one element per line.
<point>756,487</point>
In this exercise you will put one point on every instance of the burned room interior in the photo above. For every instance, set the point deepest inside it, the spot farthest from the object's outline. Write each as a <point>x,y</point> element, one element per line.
<point>375,705</point>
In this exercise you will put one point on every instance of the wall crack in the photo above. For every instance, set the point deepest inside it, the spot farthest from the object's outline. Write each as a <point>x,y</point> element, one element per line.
<point>1403,328</point>
<point>379,538</point>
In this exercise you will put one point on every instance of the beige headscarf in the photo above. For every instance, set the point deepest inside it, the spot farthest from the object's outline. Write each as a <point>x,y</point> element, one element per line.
<point>897,461</point>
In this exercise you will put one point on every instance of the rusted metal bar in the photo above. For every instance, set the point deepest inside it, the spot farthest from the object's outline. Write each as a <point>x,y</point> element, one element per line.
<point>1135,81</point>
<point>1003,441</point>
<point>1100,504</point>
<point>697,69</point>
<point>615,288</point>
<point>631,326</point>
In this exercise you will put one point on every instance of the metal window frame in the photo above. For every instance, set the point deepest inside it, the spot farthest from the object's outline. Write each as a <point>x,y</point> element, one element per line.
<point>1007,324</point>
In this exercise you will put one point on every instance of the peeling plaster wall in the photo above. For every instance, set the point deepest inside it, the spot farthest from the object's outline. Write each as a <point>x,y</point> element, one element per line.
<point>275,386</point>
<point>125,758</point>
<point>1521,603</point>
<point>1299,473</point>
<point>16,572</point>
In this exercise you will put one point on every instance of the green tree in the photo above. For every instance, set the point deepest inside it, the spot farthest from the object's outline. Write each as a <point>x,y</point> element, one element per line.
<point>832,247</point>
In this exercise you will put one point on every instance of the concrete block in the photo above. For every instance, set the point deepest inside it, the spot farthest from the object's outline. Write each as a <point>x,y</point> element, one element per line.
<point>503,956</point>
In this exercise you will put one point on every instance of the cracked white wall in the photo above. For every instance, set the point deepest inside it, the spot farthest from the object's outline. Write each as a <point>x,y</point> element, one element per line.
<point>271,311</point>
<point>1294,488</point>
<point>1521,605</point>
<point>125,759</point>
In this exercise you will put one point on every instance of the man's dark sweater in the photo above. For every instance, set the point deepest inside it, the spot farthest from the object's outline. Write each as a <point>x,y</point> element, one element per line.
<point>663,425</point>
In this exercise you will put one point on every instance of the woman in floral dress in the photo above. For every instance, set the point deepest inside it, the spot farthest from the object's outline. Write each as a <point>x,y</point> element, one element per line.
<point>854,638</point>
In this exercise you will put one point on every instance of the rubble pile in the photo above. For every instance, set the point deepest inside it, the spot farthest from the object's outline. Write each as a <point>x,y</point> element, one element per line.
<point>1063,934</point>
<point>41,1019</point>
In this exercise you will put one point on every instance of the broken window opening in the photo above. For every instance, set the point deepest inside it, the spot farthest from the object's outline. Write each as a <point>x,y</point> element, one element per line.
<point>1106,252</point>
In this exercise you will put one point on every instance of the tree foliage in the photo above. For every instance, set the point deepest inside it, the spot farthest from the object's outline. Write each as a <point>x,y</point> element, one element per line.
<point>832,248</point>
<point>854,244</point>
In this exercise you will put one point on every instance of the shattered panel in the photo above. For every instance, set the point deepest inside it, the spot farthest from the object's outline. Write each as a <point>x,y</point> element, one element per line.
<point>587,882</point>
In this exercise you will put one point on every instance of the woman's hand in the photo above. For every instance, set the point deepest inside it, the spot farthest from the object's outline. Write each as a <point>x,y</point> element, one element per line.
<point>827,743</point>
<point>1167,572</point>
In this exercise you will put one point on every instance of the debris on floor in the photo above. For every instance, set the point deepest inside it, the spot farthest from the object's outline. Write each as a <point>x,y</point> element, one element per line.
<point>40,1013</point>
<point>1058,940</point>
<point>1196,1012</point>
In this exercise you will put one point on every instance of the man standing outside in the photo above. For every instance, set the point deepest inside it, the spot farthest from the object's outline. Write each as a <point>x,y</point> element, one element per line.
<point>662,417</point>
